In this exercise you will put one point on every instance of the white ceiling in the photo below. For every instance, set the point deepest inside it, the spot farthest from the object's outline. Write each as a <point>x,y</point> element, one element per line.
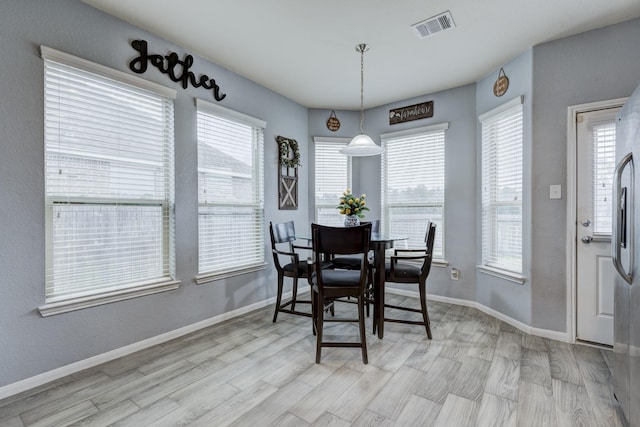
<point>305,50</point>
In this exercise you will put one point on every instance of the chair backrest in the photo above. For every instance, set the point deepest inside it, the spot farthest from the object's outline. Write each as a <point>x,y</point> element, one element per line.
<point>282,233</point>
<point>375,225</point>
<point>329,241</point>
<point>341,240</point>
<point>429,240</point>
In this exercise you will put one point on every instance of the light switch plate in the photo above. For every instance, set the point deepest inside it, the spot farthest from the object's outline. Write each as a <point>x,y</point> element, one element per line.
<point>555,191</point>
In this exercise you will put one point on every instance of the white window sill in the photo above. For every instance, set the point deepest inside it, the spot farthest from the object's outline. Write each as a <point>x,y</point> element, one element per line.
<point>211,277</point>
<point>502,274</point>
<point>440,263</point>
<point>79,303</point>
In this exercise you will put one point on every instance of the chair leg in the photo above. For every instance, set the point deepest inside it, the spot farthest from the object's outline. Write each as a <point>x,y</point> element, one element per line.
<point>314,310</point>
<point>294,295</point>
<point>279,296</point>
<point>369,291</point>
<point>363,338</point>
<point>423,304</point>
<point>319,326</point>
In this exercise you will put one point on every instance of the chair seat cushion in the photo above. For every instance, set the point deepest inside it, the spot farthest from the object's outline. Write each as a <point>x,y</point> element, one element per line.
<point>339,278</point>
<point>302,267</point>
<point>403,271</point>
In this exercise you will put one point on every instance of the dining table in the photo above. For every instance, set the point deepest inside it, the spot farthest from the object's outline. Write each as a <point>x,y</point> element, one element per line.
<point>379,243</point>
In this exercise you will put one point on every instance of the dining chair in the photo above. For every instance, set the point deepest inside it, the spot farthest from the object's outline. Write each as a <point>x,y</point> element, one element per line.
<point>285,234</point>
<point>412,266</point>
<point>353,263</point>
<point>331,284</point>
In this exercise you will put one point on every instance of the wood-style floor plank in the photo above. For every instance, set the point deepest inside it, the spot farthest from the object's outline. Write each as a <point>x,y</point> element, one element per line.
<point>457,411</point>
<point>249,371</point>
<point>392,398</point>
<point>572,404</point>
<point>436,383</point>
<point>471,379</point>
<point>563,363</point>
<point>535,368</point>
<point>535,405</point>
<point>419,412</point>
<point>509,345</point>
<point>327,393</point>
<point>503,378</point>
<point>275,405</point>
<point>496,411</point>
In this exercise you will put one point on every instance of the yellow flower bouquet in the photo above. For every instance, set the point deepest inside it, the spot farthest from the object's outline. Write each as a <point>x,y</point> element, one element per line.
<point>352,205</point>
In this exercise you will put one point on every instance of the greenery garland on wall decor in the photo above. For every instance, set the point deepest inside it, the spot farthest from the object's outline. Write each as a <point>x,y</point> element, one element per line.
<point>288,146</point>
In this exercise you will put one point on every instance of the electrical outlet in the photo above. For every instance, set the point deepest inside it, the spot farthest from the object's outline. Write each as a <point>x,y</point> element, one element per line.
<point>455,274</point>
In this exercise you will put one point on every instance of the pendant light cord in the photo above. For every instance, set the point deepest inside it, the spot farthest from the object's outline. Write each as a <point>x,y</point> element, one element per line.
<point>362,48</point>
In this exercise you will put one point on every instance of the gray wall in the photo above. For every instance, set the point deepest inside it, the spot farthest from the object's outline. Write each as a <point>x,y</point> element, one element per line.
<point>30,344</point>
<point>507,297</point>
<point>593,66</point>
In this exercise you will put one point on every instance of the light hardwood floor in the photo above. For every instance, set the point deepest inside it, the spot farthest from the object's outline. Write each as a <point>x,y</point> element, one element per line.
<point>477,371</point>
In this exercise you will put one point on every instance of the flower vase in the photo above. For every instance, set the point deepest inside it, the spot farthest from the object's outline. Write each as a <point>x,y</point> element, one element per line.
<point>351,221</point>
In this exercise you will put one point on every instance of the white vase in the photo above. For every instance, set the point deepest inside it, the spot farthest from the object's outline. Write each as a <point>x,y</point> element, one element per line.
<point>351,221</point>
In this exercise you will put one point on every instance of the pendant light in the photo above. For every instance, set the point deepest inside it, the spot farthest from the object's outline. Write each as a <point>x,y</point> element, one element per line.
<point>361,144</point>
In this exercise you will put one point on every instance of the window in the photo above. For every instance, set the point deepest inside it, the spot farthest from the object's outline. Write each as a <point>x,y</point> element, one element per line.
<point>230,192</point>
<point>502,187</point>
<point>604,164</point>
<point>108,183</point>
<point>413,184</point>
<point>332,178</point>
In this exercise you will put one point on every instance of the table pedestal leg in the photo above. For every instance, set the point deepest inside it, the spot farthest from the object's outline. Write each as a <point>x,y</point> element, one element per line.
<point>379,291</point>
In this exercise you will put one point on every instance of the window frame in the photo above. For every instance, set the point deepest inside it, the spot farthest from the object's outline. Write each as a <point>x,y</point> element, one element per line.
<point>341,143</point>
<point>603,139</point>
<point>421,132</point>
<point>103,294</point>
<point>258,126</point>
<point>490,262</point>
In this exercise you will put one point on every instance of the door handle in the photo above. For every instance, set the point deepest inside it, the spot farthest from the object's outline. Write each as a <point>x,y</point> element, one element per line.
<point>587,239</point>
<point>623,211</point>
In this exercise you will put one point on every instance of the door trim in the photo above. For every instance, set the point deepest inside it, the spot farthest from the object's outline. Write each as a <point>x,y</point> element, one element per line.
<point>572,201</point>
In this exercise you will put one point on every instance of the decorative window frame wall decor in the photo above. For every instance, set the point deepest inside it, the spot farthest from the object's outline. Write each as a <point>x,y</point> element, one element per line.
<point>288,163</point>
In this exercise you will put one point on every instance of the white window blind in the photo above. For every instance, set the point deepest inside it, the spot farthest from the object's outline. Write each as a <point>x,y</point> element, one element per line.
<point>413,184</point>
<point>604,158</point>
<point>230,190</point>
<point>332,178</point>
<point>109,183</point>
<point>502,187</point>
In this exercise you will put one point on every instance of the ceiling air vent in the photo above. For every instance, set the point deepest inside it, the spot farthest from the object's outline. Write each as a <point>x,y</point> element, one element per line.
<point>435,24</point>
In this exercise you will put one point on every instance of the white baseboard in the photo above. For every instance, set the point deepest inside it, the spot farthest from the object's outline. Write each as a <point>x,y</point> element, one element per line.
<point>544,333</point>
<point>46,377</point>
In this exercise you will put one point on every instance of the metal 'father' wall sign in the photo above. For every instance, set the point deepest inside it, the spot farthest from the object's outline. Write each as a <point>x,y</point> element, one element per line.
<point>412,112</point>
<point>171,65</point>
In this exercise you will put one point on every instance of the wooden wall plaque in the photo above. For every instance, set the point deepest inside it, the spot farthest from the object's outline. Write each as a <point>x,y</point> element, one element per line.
<point>412,112</point>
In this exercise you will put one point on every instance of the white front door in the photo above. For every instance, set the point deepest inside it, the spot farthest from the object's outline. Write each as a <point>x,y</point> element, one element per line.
<point>595,271</point>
